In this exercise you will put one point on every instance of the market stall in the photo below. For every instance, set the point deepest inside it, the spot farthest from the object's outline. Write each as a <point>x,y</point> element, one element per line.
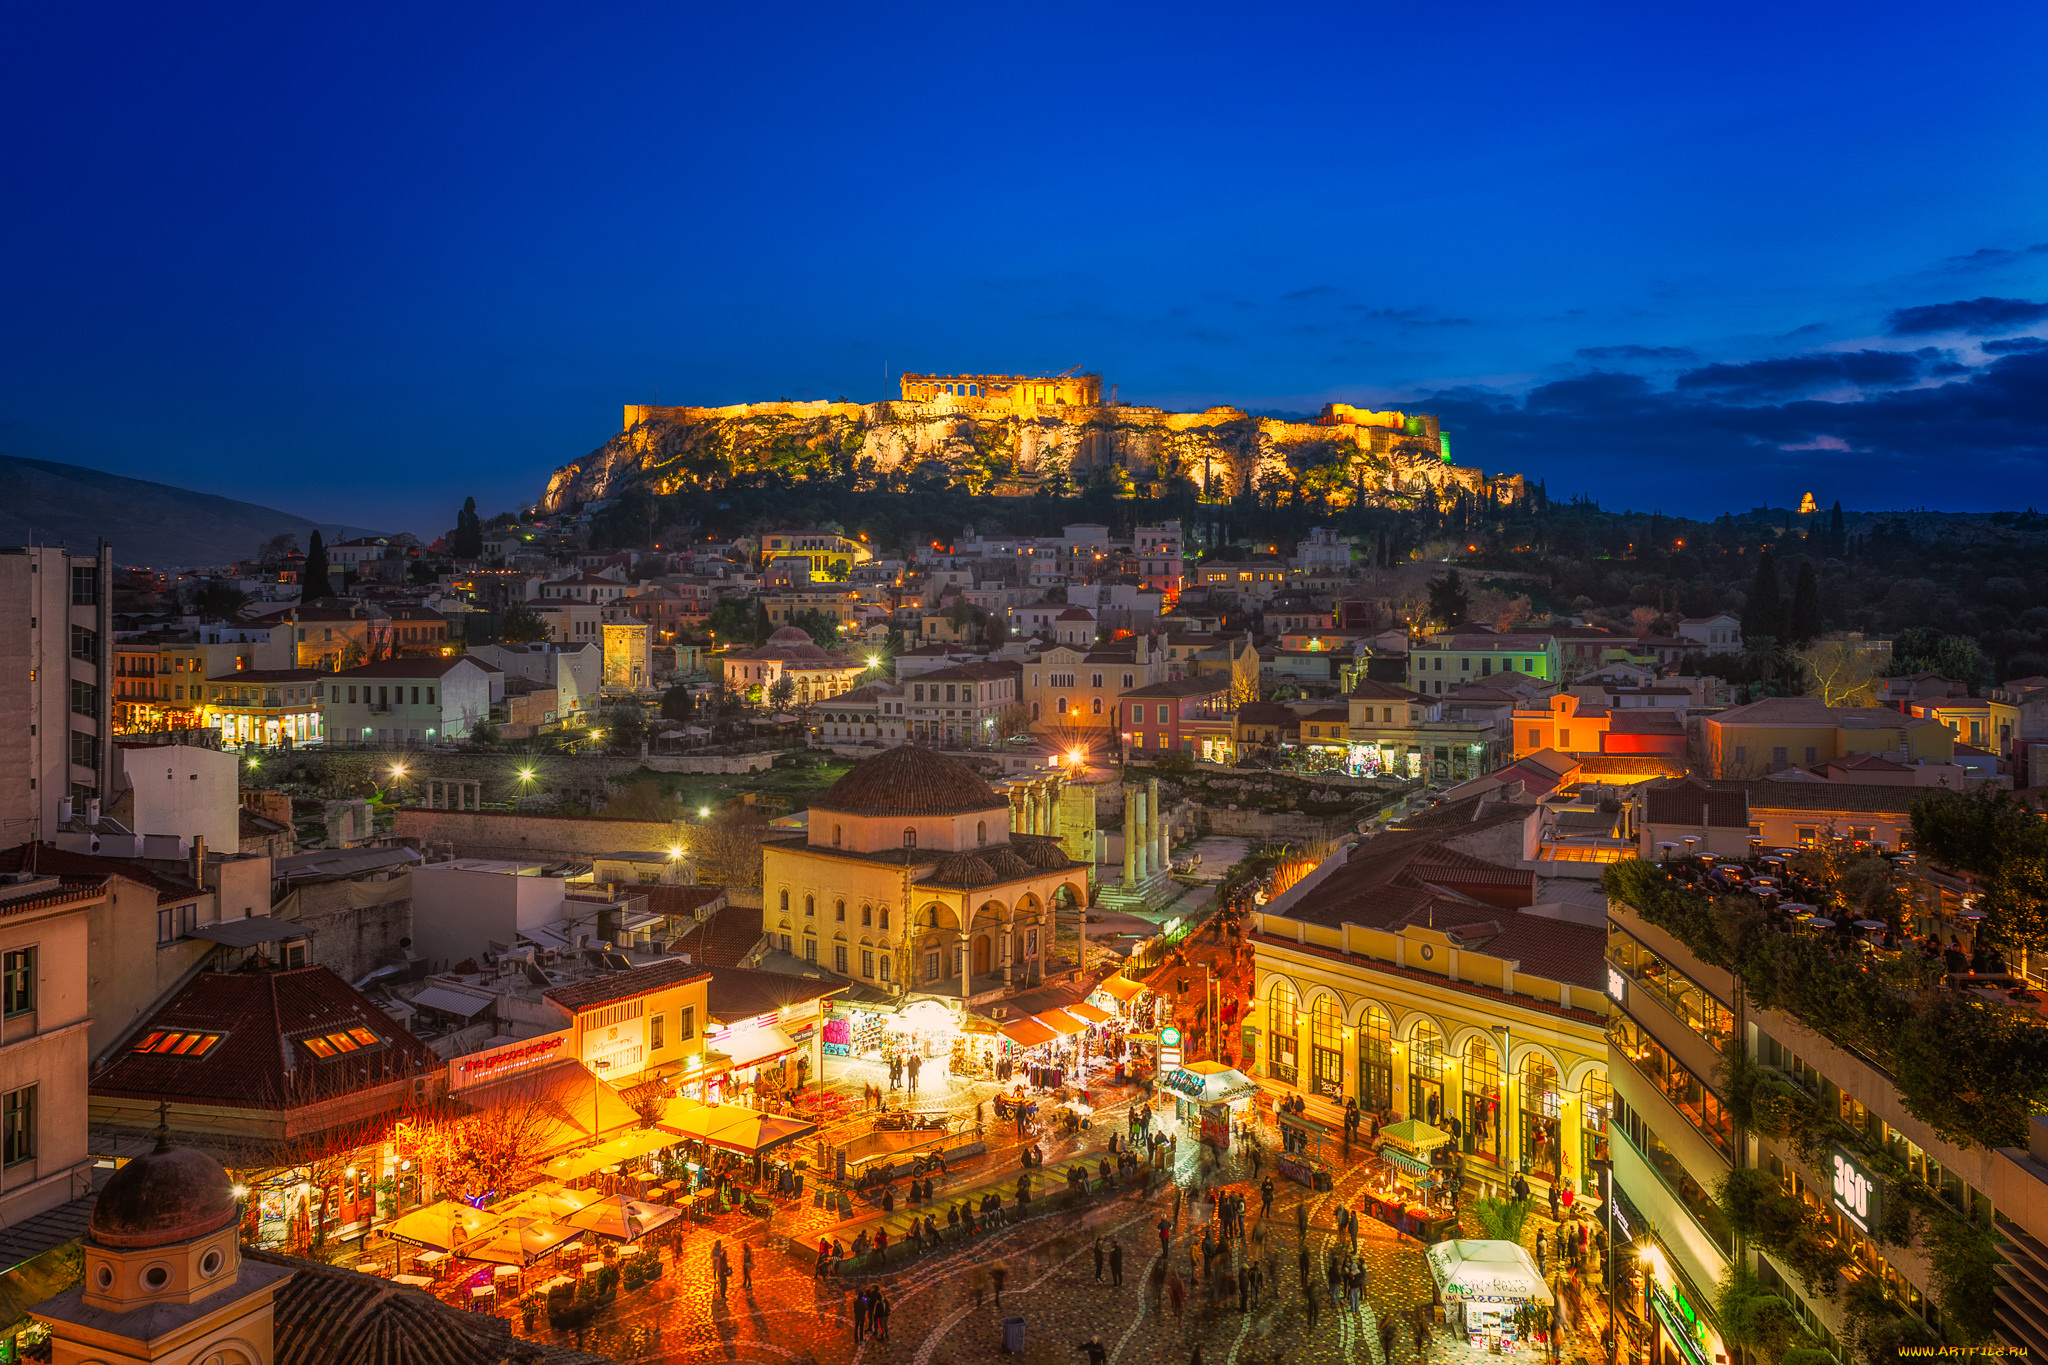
<point>1208,1097</point>
<point>1408,1188</point>
<point>1494,1293</point>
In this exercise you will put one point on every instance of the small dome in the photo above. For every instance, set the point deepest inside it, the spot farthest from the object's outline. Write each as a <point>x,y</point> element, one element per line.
<point>791,635</point>
<point>175,1194</point>
<point>908,780</point>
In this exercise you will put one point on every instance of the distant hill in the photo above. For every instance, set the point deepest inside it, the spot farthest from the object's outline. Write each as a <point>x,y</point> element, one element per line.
<point>147,523</point>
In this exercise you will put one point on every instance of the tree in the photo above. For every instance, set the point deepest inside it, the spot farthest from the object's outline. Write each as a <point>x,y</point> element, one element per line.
<point>468,540</point>
<point>1763,614</point>
<point>2002,844</point>
<point>277,550</point>
<point>781,693</point>
<point>1923,649</point>
<point>643,800</point>
<point>624,727</point>
<point>522,623</point>
<point>1805,625</point>
<point>314,582</point>
<point>676,703</point>
<point>1448,600</point>
<point>218,601</point>
<point>1839,672</point>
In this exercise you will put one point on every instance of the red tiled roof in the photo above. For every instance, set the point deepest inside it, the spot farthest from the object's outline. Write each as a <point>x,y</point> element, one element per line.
<point>910,780</point>
<point>1689,801</point>
<point>1399,879</point>
<point>261,1061</point>
<point>724,939</point>
<point>602,990</point>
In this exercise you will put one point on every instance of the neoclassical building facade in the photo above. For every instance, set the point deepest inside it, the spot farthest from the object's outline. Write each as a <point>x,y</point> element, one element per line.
<point>912,880</point>
<point>1421,981</point>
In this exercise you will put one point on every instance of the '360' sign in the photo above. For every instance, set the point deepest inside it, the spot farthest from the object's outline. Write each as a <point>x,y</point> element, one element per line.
<point>1856,1190</point>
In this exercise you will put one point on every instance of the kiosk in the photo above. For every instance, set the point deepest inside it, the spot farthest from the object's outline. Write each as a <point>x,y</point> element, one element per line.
<point>1409,1186</point>
<point>1207,1097</point>
<point>1299,1160</point>
<point>1497,1292</point>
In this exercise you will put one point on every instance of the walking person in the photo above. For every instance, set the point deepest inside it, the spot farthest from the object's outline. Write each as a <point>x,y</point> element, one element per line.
<point>999,1274</point>
<point>746,1265</point>
<point>1386,1339</point>
<point>1100,1256</point>
<point>860,1317</point>
<point>1116,1265</point>
<point>1178,1293</point>
<point>878,1316</point>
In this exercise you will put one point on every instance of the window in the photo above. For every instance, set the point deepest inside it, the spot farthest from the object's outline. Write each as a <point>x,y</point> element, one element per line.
<point>811,950</point>
<point>839,911</point>
<point>18,1120</point>
<point>1482,1097</point>
<point>883,965</point>
<point>931,966</point>
<point>85,644</point>
<point>910,837</point>
<point>1804,835</point>
<point>657,1032</point>
<point>1779,759</point>
<point>85,698</point>
<point>18,982</point>
<point>1095,707</point>
<point>1129,680</point>
<point>981,831</point>
<point>1280,1025</point>
<point>839,958</point>
<point>882,919</point>
<point>85,586</point>
<point>178,1044</point>
<point>867,916</point>
<point>1375,1060</point>
<point>1326,1048</point>
<point>835,836</point>
<point>785,902</point>
<point>173,922</point>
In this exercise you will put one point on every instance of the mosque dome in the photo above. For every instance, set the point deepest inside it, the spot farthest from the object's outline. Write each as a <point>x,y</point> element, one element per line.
<point>909,780</point>
<point>174,1194</point>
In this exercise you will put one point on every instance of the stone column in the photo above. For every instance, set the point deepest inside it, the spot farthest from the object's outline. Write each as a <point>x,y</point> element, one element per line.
<point>1131,799</point>
<point>1156,840</point>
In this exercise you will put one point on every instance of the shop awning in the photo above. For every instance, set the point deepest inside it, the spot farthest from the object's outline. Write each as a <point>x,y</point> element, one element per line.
<point>1501,1272</point>
<point>1122,987</point>
<point>1398,1158</point>
<point>1027,1033</point>
<point>1087,1012</point>
<point>757,1045</point>
<point>1060,1022</point>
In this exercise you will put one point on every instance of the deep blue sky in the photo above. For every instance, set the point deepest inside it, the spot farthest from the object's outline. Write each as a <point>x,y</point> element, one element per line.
<point>361,261</point>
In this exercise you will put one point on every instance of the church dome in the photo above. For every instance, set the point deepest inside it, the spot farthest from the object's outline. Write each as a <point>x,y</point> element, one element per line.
<point>908,780</point>
<point>792,635</point>
<point>174,1194</point>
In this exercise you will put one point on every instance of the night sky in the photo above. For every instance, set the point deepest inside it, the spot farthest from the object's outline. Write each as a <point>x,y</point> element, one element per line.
<point>362,261</point>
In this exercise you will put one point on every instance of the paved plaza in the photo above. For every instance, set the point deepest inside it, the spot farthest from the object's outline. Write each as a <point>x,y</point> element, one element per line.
<point>943,1302</point>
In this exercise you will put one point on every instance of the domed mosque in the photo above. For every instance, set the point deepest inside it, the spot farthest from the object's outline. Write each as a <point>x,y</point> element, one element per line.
<point>168,1282</point>
<point>916,877</point>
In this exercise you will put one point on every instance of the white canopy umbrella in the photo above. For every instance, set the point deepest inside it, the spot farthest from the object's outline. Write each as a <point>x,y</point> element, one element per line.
<point>1492,1270</point>
<point>623,1218</point>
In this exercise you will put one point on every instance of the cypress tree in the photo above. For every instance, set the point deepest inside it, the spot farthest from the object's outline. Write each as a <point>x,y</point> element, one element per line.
<point>1763,614</point>
<point>468,540</point>
<point>315,582</point>
<point>1838,539</point>
<point>1806,625</point>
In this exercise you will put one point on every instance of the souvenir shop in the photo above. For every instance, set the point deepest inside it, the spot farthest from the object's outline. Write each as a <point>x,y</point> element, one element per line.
<point>1408,1184</point>
<point>875,1033</point>
<point>1492,1294</point>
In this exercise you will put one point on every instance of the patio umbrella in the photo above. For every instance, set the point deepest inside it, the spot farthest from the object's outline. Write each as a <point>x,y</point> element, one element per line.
<point>1821,922</point>
<point>625,1219</point>
<point>547,1201</point>
<point>751,1132</point>
<point>520,1241</point>
<point>1476,1269</point>
<point>1870,924</point>
<point>446,1226</point>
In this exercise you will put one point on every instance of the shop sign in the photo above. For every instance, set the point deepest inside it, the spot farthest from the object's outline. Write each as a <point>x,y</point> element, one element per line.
<point>504,1061</point>
<point>1186,1082</point>
<point>1169,1048</point>
<point>1617,986</point>
<point>1682,1322</point>
<point>1856,1190</point>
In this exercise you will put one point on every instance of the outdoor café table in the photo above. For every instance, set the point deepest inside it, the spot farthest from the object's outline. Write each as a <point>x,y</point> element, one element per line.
<point>656,1194</point>
<point>506,1274</point>
<point>483,1299</point>
<point>593,1266</point>
<point>431,1259</point>
<point>370,1267</point>
<point>412,1281</point>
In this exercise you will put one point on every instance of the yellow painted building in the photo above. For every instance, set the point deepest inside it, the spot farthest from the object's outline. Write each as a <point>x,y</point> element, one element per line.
<point>912,879</point>
<point>1424,982</point>
<point>633,1025</point>
<point>1777,733</point>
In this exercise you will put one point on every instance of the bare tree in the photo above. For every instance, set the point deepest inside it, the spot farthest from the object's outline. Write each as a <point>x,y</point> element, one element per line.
<point>1838,672</point>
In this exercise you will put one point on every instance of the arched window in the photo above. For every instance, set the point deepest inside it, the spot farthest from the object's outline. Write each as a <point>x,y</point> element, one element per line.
<point>839,912</point>
<point>1060,706</point>
<point>882,922</point>
<point>910,837</point>
<point>1326,1047</point>
<point>1482,1097</point>
<point>1283,1065</point>
<point>981,831</point>
<point>1096,706</point>
<point>1375,1060</point>
<point>785,902</point>
<point>835,836</point>
<point>934,917</point>
<point>810,906</point>
<point>1034,710</point>
<point>867,916</point>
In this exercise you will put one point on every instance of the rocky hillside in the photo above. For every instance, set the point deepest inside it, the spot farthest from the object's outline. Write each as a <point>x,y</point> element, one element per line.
<point>146,523</point>
<point>1134,450</point>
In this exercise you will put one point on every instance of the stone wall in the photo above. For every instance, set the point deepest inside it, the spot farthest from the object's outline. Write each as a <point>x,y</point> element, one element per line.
<point>349,770</point>
<point>515,834</point>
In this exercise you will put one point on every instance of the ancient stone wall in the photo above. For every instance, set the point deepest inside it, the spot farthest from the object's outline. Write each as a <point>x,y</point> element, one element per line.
<point>515,834</point>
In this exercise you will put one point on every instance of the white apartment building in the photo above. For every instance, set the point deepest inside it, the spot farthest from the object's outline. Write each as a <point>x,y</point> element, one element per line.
<point>55,708</point>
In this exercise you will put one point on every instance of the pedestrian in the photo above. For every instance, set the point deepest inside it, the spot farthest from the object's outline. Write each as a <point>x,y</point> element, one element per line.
<point>746,1265</point>
<point>1101,1255</point>
<point>1244,1290</point>
<point>1421,1337</point>
<point>1116,1265</point>
<point>1386,1339</point>
<point>980,1282</point>
<point>1309,1303</point>
<point>878,1316</point>
<point>1553,1203</point>
<point>1266,1196</point>
<point>1301,1218</point>
<point>1165,1234</point>
<point>1196,1358</point>
<point>860,1317</point>
<point>1177,1292</point>
<point>1098,1354</point>
<point>999,1274</point>
<point>1301,1264</point>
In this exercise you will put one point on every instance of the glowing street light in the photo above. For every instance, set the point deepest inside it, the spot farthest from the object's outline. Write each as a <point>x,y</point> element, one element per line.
<point>703,812</point>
